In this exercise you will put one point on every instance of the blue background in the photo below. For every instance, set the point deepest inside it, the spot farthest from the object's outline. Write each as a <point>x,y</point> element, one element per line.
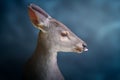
<point>95,21</point>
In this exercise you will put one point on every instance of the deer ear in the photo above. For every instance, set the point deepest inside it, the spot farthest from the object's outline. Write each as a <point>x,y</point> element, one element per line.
<point>39,17</point>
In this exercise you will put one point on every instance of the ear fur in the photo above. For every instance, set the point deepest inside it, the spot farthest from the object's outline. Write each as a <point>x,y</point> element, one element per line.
<point>39,17</point>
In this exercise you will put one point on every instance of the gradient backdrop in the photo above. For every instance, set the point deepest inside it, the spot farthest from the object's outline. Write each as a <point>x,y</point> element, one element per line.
<point>95,21</point>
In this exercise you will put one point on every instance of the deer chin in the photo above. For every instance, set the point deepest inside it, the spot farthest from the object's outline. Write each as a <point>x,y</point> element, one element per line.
<point>78,50</point>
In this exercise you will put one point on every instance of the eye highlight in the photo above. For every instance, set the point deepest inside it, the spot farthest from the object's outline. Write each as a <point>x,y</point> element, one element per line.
<point>64,33</point>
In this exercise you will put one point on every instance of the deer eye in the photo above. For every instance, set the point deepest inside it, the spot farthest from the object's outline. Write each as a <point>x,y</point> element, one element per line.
<point>64,33</point>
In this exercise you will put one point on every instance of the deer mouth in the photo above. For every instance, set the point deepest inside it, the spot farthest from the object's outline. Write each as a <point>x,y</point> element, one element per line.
<point>80,50</point>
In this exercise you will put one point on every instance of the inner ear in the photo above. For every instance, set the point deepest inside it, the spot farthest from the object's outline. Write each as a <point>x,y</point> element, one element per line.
<point>33,16</point>
<point>39,17</point>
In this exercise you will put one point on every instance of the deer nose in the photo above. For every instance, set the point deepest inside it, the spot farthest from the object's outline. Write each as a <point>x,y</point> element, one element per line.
<point>85,46</point>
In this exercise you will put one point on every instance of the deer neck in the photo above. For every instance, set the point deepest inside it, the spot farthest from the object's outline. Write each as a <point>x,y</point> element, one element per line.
<point>46,62</point>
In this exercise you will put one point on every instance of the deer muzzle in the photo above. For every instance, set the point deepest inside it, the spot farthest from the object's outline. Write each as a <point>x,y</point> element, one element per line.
<point>81,47</point>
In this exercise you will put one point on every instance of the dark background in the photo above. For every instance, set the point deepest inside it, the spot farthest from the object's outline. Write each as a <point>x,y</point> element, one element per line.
<point>95,21</point>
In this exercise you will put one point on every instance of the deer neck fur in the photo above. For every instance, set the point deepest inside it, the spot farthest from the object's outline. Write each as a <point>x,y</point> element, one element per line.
<point>45,60</point>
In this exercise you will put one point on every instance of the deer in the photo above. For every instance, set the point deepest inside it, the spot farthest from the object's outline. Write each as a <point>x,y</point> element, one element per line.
<point>53,37</point>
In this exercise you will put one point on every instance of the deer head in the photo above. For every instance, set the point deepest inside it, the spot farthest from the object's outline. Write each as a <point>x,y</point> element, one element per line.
<point>54,33</point>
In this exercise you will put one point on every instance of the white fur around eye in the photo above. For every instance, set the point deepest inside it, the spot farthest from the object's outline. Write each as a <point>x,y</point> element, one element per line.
<point>64,38</point>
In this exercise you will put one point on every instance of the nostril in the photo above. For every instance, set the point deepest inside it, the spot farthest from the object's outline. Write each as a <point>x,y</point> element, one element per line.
<point>84,45</point>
